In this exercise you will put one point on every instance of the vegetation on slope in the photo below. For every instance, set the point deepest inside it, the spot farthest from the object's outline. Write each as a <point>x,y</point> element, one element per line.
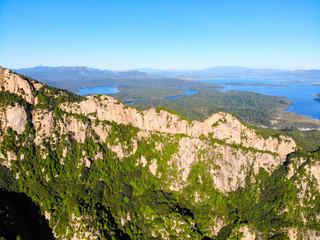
<point>111,188</point>
<point>20,217</point>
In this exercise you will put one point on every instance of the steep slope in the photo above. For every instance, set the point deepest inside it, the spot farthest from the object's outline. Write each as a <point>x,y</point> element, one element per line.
<point>100,169</point>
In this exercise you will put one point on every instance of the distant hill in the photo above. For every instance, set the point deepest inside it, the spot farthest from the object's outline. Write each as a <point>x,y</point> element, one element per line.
<point>73,78</point>
<point>82,74</point>
<point>77,73</point>
<point>77,77</point>
<point>234,72</point>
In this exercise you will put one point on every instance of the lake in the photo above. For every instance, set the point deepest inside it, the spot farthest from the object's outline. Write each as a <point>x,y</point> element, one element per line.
<point>186,93</point>
<point>300,92</point>
<point>98,90</point>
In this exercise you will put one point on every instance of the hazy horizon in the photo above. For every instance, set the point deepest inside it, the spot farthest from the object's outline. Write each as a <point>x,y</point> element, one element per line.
<point>168,69</point>
<point>188,35</point>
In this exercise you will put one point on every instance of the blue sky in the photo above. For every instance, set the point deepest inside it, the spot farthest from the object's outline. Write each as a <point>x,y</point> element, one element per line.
<point>170,34</point>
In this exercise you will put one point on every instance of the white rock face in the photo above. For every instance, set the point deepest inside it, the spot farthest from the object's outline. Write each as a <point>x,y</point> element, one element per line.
<point>43,121</point>
<point>230,165</point>
<point>227,166</point>
<point>247,233</point>
<point>16,117</point>
<point>223,126</point>
<point>153,167</point>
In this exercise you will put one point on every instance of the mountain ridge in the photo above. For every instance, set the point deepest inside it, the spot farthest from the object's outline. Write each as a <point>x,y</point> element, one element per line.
<point>100,169</point>
<point>214,72</point>
<point>235,71</point>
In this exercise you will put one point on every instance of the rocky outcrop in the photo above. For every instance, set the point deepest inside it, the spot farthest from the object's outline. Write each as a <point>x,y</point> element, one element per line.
<point>14,117</point>
<point>222,126</point>
<point>14,83</point>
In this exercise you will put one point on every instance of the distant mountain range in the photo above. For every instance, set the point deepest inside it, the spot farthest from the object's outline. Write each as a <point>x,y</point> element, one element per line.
<point>77,77</point>
<point>82,74</point>
<point>234,72</point>
<point>63,73</point>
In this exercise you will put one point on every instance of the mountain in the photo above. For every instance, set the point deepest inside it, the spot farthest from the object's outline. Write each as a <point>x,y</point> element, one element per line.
<point>74,78</point>
<point>235,72</point>
<point>77,73</point>
<point>97,169</point>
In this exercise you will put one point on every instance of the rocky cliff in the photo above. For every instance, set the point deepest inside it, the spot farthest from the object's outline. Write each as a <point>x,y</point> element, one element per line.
<point>119,172</point>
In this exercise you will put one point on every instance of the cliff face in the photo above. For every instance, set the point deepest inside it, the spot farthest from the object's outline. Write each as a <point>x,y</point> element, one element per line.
<point>71,139</point>
<point>14,83</point>
<point>222,126</point>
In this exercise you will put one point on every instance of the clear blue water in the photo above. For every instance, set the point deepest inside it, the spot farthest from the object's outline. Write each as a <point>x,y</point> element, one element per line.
<point>186,93</point>
<point>128,102</point>
<point>98,90</point>
<point>300,92</point>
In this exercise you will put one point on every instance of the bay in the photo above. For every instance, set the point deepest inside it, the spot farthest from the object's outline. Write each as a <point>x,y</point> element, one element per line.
<point>186,93</point>
<point>98,90</point>
<point>300,92</point>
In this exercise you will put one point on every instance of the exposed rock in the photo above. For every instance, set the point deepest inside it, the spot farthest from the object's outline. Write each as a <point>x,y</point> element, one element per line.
<point>16,118</point>
<point>16,84</point>
<point>142,161</point>
<point>153,167</point>
<point>43,122</point>
<point>227,166</point>
<point>243,233</point>
<point>247,233</point>
<point>79,225</point>
<point>311,234</point>
<point>217,225</point>
<point>230,166</point>
<point>46,125</point>
<point>223,126</point>
<point>293,234</point>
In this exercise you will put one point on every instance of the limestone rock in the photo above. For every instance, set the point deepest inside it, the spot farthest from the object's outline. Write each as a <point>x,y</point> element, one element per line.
<point>14,83</point>
<point>17,118</point>
<point>222,126</point>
